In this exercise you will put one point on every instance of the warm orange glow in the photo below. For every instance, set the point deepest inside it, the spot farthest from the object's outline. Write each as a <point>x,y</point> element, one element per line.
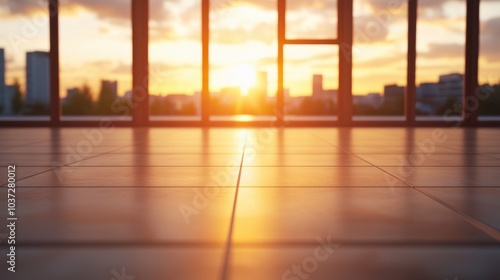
<point>242,76</point>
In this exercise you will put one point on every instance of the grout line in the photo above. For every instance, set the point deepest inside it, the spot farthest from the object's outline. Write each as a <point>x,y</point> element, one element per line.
<point>222,187</point>
<point>256,244</point>
<point>371,164</point>
<point>66,165</point>
<point>6,148</point>
<point>29,176</point>
<point>249,187</point>
<point>227,253</point>
<point>469,219</point>
<point>378,167</point>
<point>487,229</point>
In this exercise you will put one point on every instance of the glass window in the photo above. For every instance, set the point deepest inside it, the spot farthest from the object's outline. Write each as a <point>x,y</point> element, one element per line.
<point>440,59</point>
<point>243,57</point>
<point>311,82</point>
<point>175,60</point>
<point>314,19</point>
<point>488,93</point>
<point>379,59</point>
<point>24,61</point>
<point>95,59</point>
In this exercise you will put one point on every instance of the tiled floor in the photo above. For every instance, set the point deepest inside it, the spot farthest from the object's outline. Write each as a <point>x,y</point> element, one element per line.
<point>261,203</point>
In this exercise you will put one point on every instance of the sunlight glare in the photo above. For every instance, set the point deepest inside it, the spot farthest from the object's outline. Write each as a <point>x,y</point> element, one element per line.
<point>242,76</point>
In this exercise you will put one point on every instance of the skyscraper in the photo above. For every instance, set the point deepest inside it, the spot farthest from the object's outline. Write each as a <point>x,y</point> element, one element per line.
<point>317,90</point>
<point>111,86</point>
<point>451,86</point>
<point>8,92</point>
<point>394,92</point>
<point>37,78</point>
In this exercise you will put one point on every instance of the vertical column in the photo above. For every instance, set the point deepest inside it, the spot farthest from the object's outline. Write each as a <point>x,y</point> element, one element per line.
<point>410,100</point>
<point>140,79</point>
<point>345,61</point>
<point>205,37</point>
<point>280,100</point>
<point>55,108</point>
<point>469,111</point>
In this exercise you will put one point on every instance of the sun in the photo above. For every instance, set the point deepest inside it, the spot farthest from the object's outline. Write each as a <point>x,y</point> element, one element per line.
<point>243,76</point>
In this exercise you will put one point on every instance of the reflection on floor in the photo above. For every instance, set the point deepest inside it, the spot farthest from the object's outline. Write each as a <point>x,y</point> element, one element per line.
<point>361,203</point>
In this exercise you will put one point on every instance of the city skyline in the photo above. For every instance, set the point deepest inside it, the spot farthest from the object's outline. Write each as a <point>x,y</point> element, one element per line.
<point>40,63</point>
<point>175,47</point>
<point>252,89</point>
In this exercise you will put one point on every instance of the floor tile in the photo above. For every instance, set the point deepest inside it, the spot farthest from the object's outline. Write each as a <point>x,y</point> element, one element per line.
<point>6,143</point>
<point>447,176</point>
<point>136,177</point>
<point>302,149</point>
<point>123,215</point>
<point>116,263</point>
<point>288,159</point>
<point>480,203</point>
<point>195,149</point>
<point>21,173</point>
<point>365,263</point>
<point>83,150</point>
<point>347,215</point>
<point>158,202</point>
<point>163,160</point>
<point>478,149</point>
<point>46,159</point>
<point>423,159</point>
<point>347,176</point>
<point>398,149</point>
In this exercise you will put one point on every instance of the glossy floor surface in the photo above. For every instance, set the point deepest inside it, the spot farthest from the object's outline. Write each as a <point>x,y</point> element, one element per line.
<point>260,203</point>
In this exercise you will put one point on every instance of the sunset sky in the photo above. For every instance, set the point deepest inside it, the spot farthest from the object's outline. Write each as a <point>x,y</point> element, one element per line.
<point>95,42</point>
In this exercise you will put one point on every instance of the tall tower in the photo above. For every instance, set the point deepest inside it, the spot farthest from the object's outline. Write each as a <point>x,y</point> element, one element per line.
<point>37,78</point>
<point>111,86</point>
<point>317,89</point>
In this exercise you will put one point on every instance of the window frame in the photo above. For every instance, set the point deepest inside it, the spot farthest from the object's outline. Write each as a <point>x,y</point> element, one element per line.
<point>140,37</point>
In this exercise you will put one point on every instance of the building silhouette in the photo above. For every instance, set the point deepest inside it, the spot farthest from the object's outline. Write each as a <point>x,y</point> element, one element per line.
<point>37,78</point>
<point>70,93</point>
<point>450,87</point>
<point>317,86</point>
<point>330,94</point>
<point>112,86</point>
<point>7,105</point>
<point>394,92</point>
<point>427,94</point>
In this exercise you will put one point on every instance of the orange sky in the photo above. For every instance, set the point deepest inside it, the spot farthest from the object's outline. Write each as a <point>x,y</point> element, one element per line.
<point>95,43</point>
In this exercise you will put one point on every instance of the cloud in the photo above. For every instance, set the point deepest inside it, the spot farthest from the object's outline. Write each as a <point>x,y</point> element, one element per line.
<point>262,32</point>
<point>445,50</point>
<point>368,29</point>
<point>22,7</point>
<point>391,4</point>
<point>168,15</point>
<point>272,4</point>
<point>108,10</point>
<point>490,40</point>
<point>389,60</point>
<point>122,68</point>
